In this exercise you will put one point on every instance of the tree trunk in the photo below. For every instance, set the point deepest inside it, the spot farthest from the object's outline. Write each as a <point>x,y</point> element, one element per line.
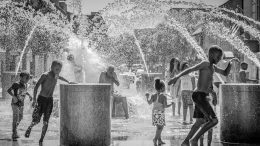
<point>32,69</point>
<point>45,58</point>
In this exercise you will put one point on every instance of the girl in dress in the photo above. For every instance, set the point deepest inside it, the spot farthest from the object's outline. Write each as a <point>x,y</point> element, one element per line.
<point>159,101</point>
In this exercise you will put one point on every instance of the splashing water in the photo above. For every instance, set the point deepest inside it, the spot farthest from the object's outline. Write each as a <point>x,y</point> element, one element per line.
<point>84,57</point>
<point>25,46</point>
<point>224,33</point>
<point>184,32</point>
<point>240,15</point>
<point>250,29</point>
<point>141,52</point>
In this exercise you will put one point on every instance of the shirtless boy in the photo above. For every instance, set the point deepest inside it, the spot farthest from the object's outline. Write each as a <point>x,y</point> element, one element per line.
<point>44,103</point>
<point>203,111</point>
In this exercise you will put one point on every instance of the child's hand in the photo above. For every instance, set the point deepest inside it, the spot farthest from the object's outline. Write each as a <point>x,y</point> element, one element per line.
<point>72,83</point>
<point>34,104</point>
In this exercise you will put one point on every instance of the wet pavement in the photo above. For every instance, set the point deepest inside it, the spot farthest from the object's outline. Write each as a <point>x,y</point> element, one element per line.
<point>136,131</point>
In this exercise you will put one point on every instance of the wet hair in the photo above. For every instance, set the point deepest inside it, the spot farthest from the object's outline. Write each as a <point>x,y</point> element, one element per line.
<point>172,64</point>
<point>215,49</point>
<point>25,74</point>
<point>159,84</point>
<point>184,65</point>
<point>56,63</point>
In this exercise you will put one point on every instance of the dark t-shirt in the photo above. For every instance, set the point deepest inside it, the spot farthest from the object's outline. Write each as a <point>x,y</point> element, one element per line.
<point>19,89</point>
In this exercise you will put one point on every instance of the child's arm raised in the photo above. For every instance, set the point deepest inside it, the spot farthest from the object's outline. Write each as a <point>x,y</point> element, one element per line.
<point>151,99</point>
<point>189,70</point>
<point>227,70</point>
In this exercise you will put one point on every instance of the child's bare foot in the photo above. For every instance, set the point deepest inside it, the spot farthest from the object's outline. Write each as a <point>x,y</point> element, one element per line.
<point>185,143</point>
<point>160,142</point>
<point>193,142</point>
<point>154,142</point>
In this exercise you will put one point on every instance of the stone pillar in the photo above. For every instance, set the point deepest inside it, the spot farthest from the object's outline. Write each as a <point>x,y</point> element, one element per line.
<point>8,78</point>
<point>240,113</point>
<point>148,81</point>
<point>85,115</point>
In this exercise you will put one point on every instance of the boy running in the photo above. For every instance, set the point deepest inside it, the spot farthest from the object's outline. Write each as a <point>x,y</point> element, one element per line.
<point>203,110</point>
<point>44,103</point>
<point>18,91</point>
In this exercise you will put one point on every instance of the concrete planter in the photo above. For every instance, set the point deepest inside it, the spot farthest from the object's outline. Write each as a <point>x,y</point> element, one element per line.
<point>240,113</point>
<point>85,115</point>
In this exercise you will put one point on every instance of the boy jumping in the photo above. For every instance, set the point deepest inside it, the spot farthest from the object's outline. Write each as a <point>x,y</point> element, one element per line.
<point>203,111</point>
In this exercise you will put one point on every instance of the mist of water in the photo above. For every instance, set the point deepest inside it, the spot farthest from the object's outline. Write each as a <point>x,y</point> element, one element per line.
<point>84,56</point>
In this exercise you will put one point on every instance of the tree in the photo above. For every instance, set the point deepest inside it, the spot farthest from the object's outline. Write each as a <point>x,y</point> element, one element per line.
<point>18,23</point>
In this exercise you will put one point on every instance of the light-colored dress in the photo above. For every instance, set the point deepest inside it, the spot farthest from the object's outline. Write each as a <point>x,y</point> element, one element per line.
<point>158,113</point>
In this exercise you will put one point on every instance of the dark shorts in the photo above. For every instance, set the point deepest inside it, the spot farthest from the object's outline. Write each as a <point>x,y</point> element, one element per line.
<point>202,107</point>
<point>44,106</point>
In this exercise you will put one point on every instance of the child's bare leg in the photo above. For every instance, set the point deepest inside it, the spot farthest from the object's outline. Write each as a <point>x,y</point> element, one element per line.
<point>157,135</point>
<point>160,135</point>
<point>193,130</point>
<point>191,107</point>
<point>201,140</point>
<point>173,108</point>
<point>15,120</point>
<point>29,129</point>
<point>179,108</point>
<point>210,124</point>
<point>210,133</point>
<point>44,130</point>
<point>185,110</point>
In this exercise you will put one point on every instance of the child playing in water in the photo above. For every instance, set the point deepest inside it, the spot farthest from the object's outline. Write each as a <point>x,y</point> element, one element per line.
<point>214,103</point>
<point>242,74</point>
<point>44,104</point>
<point>159,101</point>
<point>203,111</point>
<point>18,91</point>
<point>187,85</point>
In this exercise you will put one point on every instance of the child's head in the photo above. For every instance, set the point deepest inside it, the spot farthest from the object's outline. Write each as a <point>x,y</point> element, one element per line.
<point>174,64</point>
<point>215,54</point>
<point>70,57</point>
<point>110,71</point>
<point>184,66</point>
<point>244,66</point>
<point>56,67</point>
<point>24,77</point>
<point>159,85</point>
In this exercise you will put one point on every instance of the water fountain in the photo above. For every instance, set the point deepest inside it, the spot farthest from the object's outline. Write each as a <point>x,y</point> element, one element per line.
<point>76,99</point>
<point>245,125</point>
